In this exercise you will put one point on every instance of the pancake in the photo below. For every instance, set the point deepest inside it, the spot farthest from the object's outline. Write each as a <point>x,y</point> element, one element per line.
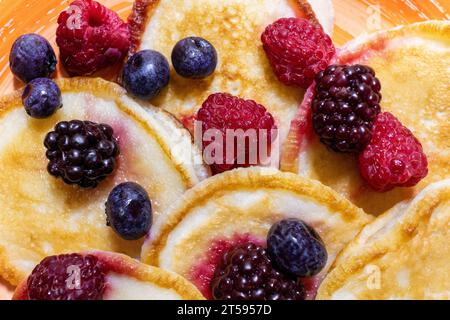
<point>403,254</point>
<point>240,206</point>
<point>42,216</point>
<point>234,27</point>
<point>412,64</point>
<point>6,291</point>
<point>127,279</point>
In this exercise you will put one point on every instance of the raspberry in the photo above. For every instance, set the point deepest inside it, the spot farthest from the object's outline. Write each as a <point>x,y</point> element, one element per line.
<point>52,278</point>
<point>297,50</point>
<point>81,152</point>
<point>91,37</point>
<point>394,157</point>
<point>246,273</point>
<point>345,105</point>
<point>224,112</point>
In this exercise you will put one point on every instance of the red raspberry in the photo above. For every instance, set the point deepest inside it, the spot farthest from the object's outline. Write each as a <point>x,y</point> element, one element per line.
<point>394,157</point>
<point>56,278</point>
<point>222,111</point>
<point>297,50</point>
<point>91,37</point>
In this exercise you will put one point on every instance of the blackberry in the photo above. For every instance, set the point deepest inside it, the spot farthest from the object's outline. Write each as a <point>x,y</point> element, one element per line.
<point>246,273</point>
<point>345,106</point>
<point>81,152</point>
<point>53,278</point>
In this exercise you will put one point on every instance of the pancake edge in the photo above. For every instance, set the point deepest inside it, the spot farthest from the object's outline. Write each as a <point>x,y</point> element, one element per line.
<point>250,178</point>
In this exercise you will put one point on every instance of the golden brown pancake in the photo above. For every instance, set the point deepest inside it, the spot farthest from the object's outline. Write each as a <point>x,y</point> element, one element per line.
<point>234,27</point>
<point>6,291</point>
<point>244,204</point>
<point>42,216</point>
<point>403,254</point>
<point>128,279</point>
<point>412,63</point>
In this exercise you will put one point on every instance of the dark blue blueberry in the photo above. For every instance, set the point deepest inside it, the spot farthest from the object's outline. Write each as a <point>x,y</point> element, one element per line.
<point>129,211</point>
<point>145,74</point>
<point>32,57</point>
<point>194,58</point>
<point>296,248</point>
<point>41,98</point>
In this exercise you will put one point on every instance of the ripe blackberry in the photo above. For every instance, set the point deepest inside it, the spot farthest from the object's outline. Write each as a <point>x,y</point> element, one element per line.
<point>67,277</point>
<point>81,152</point>
<point>345,106</point>
<point>246,273</point>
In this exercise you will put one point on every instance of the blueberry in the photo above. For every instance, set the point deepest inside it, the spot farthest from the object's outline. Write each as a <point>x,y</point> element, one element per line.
<point>129,211</point>
<point>41,98</point>
<point>296,248</point>
<point>194,58</point>
<point>145,74</point>
<point>32,57</point>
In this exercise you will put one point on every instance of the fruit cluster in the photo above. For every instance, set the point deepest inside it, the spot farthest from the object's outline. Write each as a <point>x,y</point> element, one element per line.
<point>346,115</point>
<point>146,73</point>
<point>129,213</point>
<point>346,106</point>
<point>246,273</point>
<point>32,60</point>
<point>81,153</point>
<point>250,272</point>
